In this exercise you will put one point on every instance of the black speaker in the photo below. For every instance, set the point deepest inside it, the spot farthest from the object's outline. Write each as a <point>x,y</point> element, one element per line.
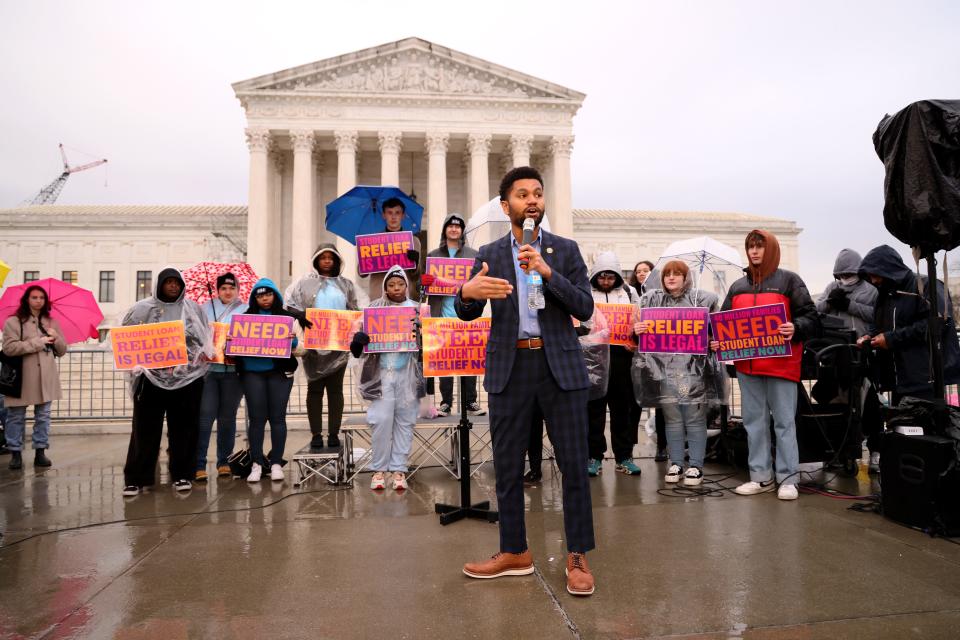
<point>920,482</point>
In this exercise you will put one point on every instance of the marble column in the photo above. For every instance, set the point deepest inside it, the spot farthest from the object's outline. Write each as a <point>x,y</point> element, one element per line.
<point>561,218</point>
<point>390,144</point>
<point>346,143</point>
<point>519,147</point>
<point>465,169</point>
<point>259,143</point>
<point>302,237</point>
<point>436,148</point>
<point>478,144</point>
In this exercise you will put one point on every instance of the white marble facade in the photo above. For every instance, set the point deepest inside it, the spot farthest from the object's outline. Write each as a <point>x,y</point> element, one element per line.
<point>431,120</point>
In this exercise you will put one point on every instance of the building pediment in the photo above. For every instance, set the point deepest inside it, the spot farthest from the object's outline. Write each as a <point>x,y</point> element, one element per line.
<point>411,67</point>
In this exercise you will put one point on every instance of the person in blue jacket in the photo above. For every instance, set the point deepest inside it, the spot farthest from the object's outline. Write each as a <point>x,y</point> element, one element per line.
<point>266,386</point>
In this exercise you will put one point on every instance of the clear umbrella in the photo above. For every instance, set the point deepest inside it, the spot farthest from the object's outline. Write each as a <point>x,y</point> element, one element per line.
<point>704,254</point>
<point>488,223</point>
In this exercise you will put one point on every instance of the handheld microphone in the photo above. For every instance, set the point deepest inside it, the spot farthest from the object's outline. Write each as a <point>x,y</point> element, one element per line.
<point>528,225</point>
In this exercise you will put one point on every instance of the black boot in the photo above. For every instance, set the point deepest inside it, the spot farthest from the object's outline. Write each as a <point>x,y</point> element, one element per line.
<point>40,459</point>
<point>316,442</point>
<point>16,460</point>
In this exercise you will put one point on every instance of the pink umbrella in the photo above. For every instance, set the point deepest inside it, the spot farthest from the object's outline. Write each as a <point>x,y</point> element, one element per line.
<point>201,279</point>
<point>74,308</point>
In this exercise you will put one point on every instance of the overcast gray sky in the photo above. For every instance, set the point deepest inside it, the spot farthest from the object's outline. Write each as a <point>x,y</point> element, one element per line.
<point>756,107</point>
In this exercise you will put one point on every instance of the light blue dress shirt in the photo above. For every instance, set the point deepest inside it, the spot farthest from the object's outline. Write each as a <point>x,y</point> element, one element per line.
<point>529,325</point>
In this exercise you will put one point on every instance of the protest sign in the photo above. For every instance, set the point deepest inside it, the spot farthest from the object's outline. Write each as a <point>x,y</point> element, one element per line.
<point>620,322</point>
<point>450,274</point>
<point>749,333</point>
<point>453,347</point>
<point>390,329</point>
<point>260,336</point>
<point>377,252</point>
<point>675,330</point>
<point>152,346</point>
<point>220,330</point>
<point>332,330</point>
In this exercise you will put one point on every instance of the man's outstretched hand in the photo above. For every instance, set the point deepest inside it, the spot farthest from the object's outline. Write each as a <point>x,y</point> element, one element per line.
<point>484,287</point>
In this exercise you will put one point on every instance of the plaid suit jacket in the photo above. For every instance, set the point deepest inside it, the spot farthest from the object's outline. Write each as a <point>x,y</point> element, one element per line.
<point>567,293</point>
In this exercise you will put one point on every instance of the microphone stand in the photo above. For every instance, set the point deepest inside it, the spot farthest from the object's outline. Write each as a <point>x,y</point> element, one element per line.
<point>450,513</point>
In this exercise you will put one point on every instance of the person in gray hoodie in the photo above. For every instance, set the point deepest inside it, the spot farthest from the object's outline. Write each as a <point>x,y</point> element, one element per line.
<point>848,297</point>
<point>324,288</point>
<point>609,287</point>
<point>453,244</point>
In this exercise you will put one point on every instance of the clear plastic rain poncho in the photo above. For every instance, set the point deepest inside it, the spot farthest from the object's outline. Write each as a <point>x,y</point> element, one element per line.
<point>668,378</point>
<point>367,368</point>
<point>596,354</point>
<point>314,291</point>
<point>197,330</point>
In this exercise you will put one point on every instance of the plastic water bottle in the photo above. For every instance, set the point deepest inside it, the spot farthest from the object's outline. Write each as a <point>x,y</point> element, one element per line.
<point>535,291</point>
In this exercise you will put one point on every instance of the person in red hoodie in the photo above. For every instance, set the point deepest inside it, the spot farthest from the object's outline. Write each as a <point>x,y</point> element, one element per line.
<point>769,385</point>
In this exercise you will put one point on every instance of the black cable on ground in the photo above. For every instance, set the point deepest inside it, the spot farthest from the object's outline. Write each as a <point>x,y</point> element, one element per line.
<point>93,525</point>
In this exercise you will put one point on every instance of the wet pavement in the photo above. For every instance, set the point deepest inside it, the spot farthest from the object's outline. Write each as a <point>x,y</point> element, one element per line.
<point>234,560</point>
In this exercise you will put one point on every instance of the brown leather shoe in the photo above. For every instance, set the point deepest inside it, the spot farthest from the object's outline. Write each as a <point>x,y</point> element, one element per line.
<point>501,564</point>
<point>579,578</point>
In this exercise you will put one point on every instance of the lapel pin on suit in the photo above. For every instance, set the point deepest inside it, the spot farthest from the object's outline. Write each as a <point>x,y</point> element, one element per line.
<point>549,249</point>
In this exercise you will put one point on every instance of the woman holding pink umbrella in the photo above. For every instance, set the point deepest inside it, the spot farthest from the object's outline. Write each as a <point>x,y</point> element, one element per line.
<point>35,336</point>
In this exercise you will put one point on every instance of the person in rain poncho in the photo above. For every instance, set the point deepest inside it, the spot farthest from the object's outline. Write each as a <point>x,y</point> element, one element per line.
<point>453,244</point>
<point>848,297</point>
<point>681,386</point>
<point>393,382</point>
<point>221,386</point>
<point>173,391</point>
<point>608,287</point>
<point>324,288</point>
<point>768,385</point>
<point>267,383</point>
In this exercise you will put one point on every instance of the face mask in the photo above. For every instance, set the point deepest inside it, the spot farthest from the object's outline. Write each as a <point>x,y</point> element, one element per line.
<point>849,280</point>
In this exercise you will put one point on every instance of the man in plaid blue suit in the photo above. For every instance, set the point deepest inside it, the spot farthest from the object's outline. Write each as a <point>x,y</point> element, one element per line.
<point>534,359</point>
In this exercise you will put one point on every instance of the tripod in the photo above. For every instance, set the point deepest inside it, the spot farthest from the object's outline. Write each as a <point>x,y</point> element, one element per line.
<point>481,510</point>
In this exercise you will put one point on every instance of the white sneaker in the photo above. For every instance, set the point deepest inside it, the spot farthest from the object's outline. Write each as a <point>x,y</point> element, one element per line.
<point>752,488</point>
<point>788,492</point>
<point>399,481</point>
<point>378,482</point>
<point>673,474</point>
<point>276,472</point>
<point>255,472</point>
<point>693,477</point>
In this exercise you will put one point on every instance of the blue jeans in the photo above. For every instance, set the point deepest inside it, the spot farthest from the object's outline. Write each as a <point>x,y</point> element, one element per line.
<point>761,396</point>
<point>221,399</point>
<point>267,393</point>
<point>392,418</point>
<point>685,423</point>
<point>17,426</point>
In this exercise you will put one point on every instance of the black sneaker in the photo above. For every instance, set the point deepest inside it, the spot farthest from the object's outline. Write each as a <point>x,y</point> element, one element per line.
<point>474,409</point>
<point>182,485</point>
<point>444,410</point>
<point>661,456</point>
<point>316,442</point>
<point>333,442</point>
<point>131,490</point>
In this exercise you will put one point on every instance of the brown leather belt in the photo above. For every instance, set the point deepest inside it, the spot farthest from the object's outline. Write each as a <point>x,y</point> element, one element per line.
<point>530,343</point>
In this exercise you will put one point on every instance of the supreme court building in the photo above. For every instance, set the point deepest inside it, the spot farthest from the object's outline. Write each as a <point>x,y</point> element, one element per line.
<point>441,125</point>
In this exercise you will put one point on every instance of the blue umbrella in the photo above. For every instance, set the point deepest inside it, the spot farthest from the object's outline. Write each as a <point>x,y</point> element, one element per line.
<point>360,212</point>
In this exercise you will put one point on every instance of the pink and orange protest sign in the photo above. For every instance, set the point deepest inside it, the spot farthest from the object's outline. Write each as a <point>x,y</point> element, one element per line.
<point>450,274</point>
<point>220,330</point>
<point>332,330</point>
<point>749,333</point>
<point>453,347</point>
<point>260,336</point>
<point>675,330</point>
<point>390,329</point>
<point>377,252</point>
<point>151,346</point>
<point>620,321</point>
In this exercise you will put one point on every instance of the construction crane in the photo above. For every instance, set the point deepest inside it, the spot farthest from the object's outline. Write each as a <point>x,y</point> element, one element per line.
<point>50,193</point>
